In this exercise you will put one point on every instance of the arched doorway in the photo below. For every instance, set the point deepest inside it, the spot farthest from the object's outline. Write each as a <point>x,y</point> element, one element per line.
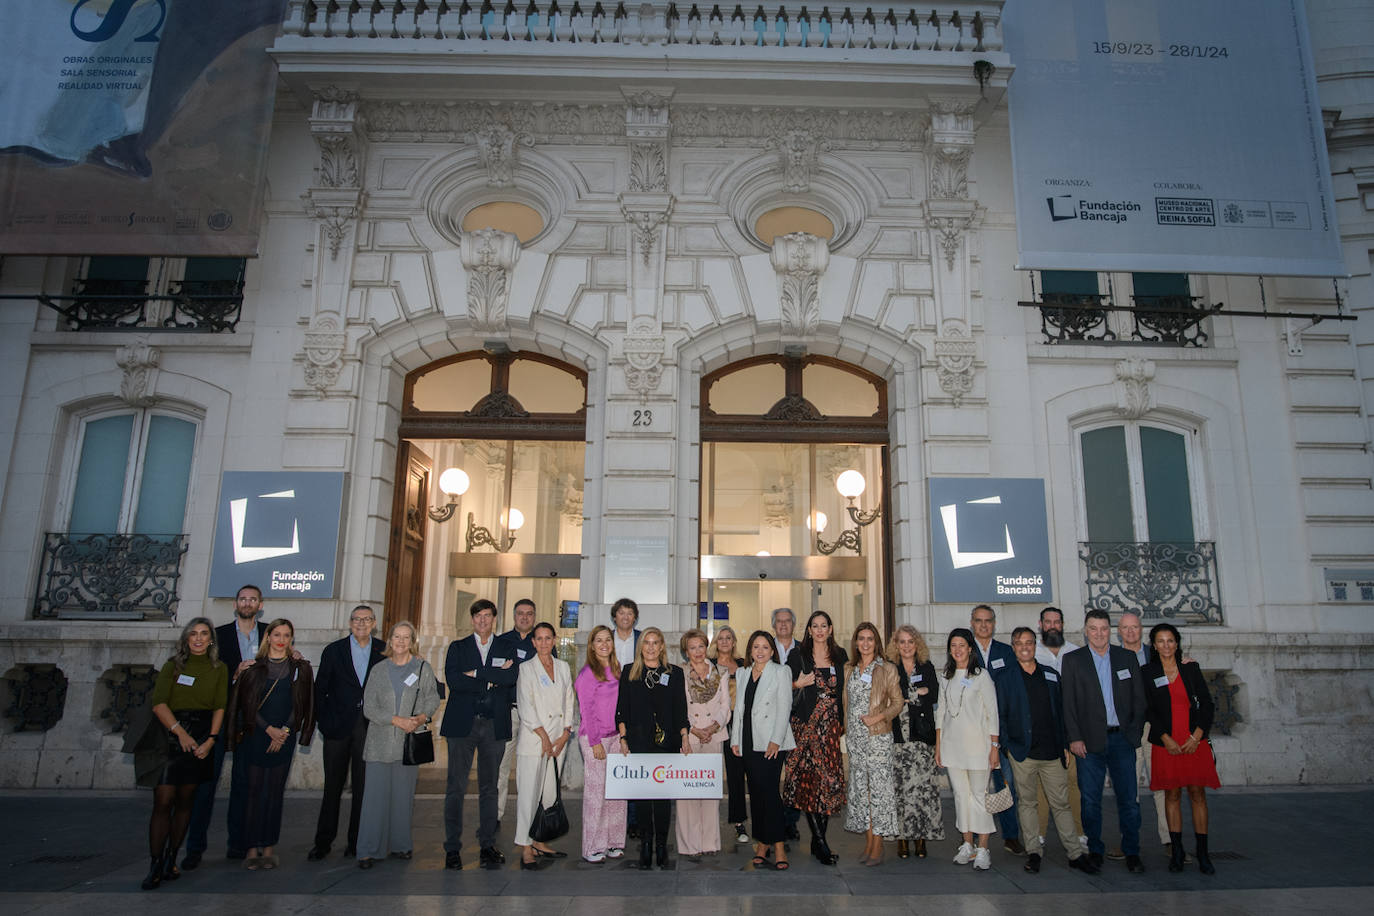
<point>506,524</point>
<point>778,435</point>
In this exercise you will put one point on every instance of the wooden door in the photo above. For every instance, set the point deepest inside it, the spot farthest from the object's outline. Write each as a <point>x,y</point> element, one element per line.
<point>405,564</point>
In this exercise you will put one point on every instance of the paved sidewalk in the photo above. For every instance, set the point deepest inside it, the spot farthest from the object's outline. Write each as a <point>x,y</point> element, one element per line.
<point>1277,850</point>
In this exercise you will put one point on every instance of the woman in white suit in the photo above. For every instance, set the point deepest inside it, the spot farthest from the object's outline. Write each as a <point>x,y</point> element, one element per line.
<point>545,698</point>
<point>761,729</point>
<point>966,729</point>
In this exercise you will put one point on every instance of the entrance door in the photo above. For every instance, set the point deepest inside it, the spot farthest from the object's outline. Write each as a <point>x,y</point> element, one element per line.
<point>406,566</point>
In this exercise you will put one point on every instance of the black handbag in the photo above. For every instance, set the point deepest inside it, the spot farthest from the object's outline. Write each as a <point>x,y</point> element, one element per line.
<point>923,723</point>
<point>419,744</point>
<point>550,821</point>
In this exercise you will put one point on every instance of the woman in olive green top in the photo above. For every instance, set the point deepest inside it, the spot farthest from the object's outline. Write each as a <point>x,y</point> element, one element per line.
<point>188,699</point>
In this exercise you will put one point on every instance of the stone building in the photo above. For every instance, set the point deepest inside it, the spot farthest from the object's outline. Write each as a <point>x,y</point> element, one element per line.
<point>652,278</point>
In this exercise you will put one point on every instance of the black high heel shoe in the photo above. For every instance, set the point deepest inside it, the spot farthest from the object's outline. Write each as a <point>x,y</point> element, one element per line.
<point>154,878</point>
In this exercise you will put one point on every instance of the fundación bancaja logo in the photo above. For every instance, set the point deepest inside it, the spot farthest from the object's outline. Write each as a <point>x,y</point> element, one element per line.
<point>278,530</point>
<point>1066,206</point>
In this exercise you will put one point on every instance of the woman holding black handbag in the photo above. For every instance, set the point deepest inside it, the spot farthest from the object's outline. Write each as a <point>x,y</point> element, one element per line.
<point>544,695</point>
<point>813,780</point>
<point>400,697</point>
<point>919,816</point>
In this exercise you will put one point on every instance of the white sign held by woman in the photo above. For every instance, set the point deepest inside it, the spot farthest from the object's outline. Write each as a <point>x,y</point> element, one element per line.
<point>635,776</point>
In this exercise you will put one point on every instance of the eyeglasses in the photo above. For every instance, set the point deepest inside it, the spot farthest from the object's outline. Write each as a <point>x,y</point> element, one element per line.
<point>361,619</point>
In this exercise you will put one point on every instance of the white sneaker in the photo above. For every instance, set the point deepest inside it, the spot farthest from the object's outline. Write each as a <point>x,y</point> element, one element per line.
<point>741,837</point>
<point>964,855</point>
<point>983,860</point>
<point>595,857</point>
<point>614,853</point>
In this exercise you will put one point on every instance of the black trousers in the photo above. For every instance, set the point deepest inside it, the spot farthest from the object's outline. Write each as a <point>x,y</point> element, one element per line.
<point>343,759</point>
<point>765,796</point>
<point>482,741</point>
<point>734,781</point>
<point>654,816</point>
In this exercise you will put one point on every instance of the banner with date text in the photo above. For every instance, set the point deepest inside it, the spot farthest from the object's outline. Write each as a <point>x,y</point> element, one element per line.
<point>134,126</point>
<point>1169,135</point>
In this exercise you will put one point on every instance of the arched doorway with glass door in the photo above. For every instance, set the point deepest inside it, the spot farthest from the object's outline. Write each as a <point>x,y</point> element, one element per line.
<point>488,495</point>
<point>794,494</point>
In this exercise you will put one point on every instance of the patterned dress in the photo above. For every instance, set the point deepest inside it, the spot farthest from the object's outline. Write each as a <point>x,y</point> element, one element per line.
<point>814,781</point>
<point>919,815</point>
<point>872,783</point>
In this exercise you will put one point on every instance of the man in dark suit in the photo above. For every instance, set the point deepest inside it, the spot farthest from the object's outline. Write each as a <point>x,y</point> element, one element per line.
<point>1104,713</point>
<point>521,637</point>
<point>481,671</point>
<point>1032,732</point>
<point>344,666</point>
<point>237,644</point>
<point>998,661</point>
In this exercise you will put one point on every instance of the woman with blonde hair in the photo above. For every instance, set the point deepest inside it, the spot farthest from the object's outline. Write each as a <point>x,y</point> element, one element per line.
<point>708,714</point>
<point>724,651</point>
<point>874,697</point>
<point>272,709</point>
<point>651,717</point>
<point>919,817</point>
<point>401,695</point>
<point>598,687</point>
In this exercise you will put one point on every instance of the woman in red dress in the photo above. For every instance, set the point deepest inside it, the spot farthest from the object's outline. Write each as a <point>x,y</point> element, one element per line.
<point>1179,709</point>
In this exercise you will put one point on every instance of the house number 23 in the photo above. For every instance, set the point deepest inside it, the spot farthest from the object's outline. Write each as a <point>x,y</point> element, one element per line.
<point>642,418</point>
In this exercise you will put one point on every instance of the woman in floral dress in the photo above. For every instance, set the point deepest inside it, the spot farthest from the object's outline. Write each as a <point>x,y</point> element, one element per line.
<point>919,817</point>
<point>874,698</point>
<point>814,780</point>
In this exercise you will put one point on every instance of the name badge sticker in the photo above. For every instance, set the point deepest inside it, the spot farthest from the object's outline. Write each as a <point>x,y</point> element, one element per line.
<point>410,681</point>
<point>185,680</point>
<point>663,679</point>
<point>1051,676</point>
<point>497,662</point>
<point>999,663</point>
<point>1124,674</point>
<point>966,681</point>
<point>544,679</point>
<point>520,653</point>
<point>866,677</point>
<point>1162,681</point>
<point>916,679</point>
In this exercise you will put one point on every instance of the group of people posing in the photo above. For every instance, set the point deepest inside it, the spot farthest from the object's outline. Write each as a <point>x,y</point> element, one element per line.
<point>1049,720</point>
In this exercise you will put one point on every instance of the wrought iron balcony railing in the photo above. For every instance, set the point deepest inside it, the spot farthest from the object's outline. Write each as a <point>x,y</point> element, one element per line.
<point>189,305</point>
<point>1160,580</point>
<point>1084,317</point>
<point>1169,319</point>
<point>904,26</point>
<point>109,576</point>
<point>1066,317</point>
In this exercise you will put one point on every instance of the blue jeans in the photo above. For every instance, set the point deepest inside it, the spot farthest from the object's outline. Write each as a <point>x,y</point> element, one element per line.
<point>1118,760</point>
<point>1008,824</point>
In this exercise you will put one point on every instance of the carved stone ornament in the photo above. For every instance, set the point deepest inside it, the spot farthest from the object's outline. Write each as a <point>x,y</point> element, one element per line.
<point>800,260</point>
<point>949,146</point>
<point>488,255</point>
<point>794,408</point>
<point>1133,377</point>
<point>324,345</point>
<point>777,504</point>
<point>336,210</point>
<point>799,151</point>
<point>139,363</point>
<point>643,347</point>
<point>334,125</point>
<point>954,354</point>
<point>950,231</point>
<point>644,227</point>
<point>648,166</point>
<point>570,507</point>
<point>496,145</point>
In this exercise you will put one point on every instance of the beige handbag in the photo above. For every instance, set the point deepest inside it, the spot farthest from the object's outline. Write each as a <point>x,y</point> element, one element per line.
<point>996,801</point>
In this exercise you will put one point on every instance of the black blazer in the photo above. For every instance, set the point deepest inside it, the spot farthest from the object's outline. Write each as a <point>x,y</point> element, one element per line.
<point>1000,652</point>
<point>924,705</point>
<point>804,698</point>
<point>1085,717</point>
<point>227,644</point>
<point>639,709</point>
<point>1014,713</point>
<point>491,679</point>
<point>1159,710</point>
<point>338,694</point>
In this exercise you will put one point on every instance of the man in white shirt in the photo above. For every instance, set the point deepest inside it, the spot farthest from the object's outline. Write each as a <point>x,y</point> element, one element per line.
<point>1050,650</point>
<point>784,622</point>
<point>999,661</point>
<point>624,615</point>
<point>1128,632</point>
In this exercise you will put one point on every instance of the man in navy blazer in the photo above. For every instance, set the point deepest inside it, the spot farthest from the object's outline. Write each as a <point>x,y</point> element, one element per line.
<point>237,643</point>
<point>999,661</point>
<point>481,670</point>
<point>344,666</point>
<point>1031,711</point>
<point>1104,713</point>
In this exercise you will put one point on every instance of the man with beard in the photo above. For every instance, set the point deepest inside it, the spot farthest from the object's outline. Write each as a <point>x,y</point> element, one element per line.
<point>1050,650</point>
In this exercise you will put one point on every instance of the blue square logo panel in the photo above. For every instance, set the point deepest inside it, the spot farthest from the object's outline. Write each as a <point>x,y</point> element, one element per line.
<point>989,540</point>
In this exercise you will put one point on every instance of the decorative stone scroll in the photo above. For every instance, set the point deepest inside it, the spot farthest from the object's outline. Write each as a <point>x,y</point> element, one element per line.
<point>800,260</point>
<point>336,200</point>
<point>1133,377</point>
<point>139,363</point>
<point>643,347</point>
<point>488,256</point>
<point>954,355</point>
<point>949,147</point>
<point>324,346</point>
<point>800,151</point>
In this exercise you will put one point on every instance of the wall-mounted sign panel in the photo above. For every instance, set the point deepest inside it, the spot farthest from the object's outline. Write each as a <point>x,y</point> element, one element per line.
<point>1171,136</point>
<point>278,530</point>
<point>989,540</point>
<point>1353,585</point>
<point>636,568</point>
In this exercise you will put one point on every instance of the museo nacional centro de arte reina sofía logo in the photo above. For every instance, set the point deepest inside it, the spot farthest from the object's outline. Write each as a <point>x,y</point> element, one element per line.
<point>278,530</point>
<point>989,540</point>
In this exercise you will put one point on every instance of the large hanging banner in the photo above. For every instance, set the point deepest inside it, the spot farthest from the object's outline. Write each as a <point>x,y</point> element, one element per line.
<point>1169,135</point>
<point>134,126</point>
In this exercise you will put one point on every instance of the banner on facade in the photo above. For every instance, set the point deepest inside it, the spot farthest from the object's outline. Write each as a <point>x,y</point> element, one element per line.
<point>1171,136</point>
<point>278,530</point>
<point>135,127</point>
<point>989,540</point>
<point>665,775</point>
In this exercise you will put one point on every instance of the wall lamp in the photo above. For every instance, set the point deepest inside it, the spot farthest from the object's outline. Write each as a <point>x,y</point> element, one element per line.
<point>454,483</point>
<point>479,536</point>
<point>851,485</point>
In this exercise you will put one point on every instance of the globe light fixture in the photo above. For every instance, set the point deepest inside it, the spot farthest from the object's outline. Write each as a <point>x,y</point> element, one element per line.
<point>851,485</point>
<point>454,482</point>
